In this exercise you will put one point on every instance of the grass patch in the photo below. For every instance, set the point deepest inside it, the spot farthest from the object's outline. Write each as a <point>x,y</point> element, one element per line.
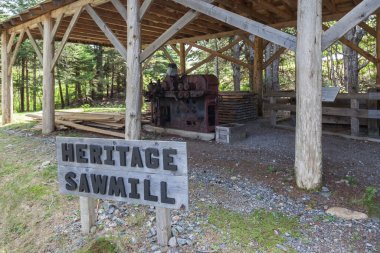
<point>369,201</point>
<point>100,245</point>
<point>258,227</point>
<point>50,173</point>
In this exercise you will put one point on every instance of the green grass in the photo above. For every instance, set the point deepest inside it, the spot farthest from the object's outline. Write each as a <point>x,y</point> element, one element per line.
<point>259,227</point>
<point>100,245</point>
<point>369,201</point>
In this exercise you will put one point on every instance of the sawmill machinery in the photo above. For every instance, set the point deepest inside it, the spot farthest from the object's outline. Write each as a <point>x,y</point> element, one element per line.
<point>187,102</point>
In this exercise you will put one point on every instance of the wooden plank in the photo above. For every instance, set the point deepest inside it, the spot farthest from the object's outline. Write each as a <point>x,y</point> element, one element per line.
<point>120,9</point>
<point>275,56</point>
<point>56,26</point>
<point>174,47</point>
<point>34,45</point>
<point>145,8</point>
<point>378,49</point>
<point>346,136</point>
<point>334,111</point>
<point>355,125</point>
<point>266,32</point>
<point>15,52</point>
<point>182,58</point>
<point>348,96</point>
<point>357,15</point>
<point>186,134</point>
<point>65,37</point>
<point>212,56</point>
<point>166,53</point>
<point>6,81</point>
<point>48,105</point>
<point>107,31</point>
<point>11,42</point>
<point>169,33</point>
<point>217,54</point>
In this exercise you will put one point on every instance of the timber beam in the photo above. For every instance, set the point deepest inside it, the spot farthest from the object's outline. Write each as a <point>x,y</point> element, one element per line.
<point>357,15</point>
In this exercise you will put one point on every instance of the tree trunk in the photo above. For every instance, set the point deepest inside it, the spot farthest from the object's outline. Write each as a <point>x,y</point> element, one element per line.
<point>67,93</point>
<point>22,86</point>
<point>99,71</point>
<point>27,86</point>
<point>216,60</point>
<point>77,84</point>
<point>35,82</point>
<point>112,79</point>
<point>272,71</point>
<point>60,88</point>
<point>308,148</point>
<point>236,69</point>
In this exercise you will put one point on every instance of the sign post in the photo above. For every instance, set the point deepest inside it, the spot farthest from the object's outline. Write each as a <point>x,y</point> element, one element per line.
<point>137,172</point>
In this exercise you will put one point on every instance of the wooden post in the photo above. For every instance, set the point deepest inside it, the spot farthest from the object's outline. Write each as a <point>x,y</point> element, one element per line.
<point>6,86</point>
<point>373,124</point>
<point>273,113</point>
<point>133,103</point>
<point>258,73</point>
<point>355,124</point>
<point>48,124</point>
<point>378,49</point>
<point>182,58</point>
<point>308,158</point>
<point>87,214</point>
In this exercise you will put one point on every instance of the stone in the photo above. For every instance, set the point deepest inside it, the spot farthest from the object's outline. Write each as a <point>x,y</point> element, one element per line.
<point>155,248</point>
<point>152,232</point>
<point>174,232</point>
<point>133,240</point>
<point>181,241</point>
<point>172,242</point>
<point>347,214</point>
<point>93,229</point>
<point>45,164</point>
<point>281,247</point>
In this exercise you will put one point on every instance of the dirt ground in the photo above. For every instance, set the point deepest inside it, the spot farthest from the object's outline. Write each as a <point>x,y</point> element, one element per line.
<point>267,155</point>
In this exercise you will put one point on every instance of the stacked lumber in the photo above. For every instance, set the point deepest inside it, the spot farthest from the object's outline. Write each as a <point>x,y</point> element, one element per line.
<point>235,107</point>
<point>111,124</point>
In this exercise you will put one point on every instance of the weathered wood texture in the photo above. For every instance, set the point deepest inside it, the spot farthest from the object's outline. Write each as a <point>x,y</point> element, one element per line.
<point>163,222</point>
<point>258,73</point>
<point>6,79</point>
<point>133,98</point>
<point>177,181</point>
<point>48,78</point>
<point>378,48</point>
<point>266,32</point>
<point>235,107</point>
<point>308,158</point>
<point>87,214</point>
<point>182,58</point>
<point>354,17</point>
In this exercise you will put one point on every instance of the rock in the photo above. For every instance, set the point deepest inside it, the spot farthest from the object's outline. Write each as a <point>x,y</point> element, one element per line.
<point>189,242</point>
<point>345,213</point>
<point>111,209</point>
<point>174,232</point>
<point>119,221</point>
<point>172,242</point>
<point>155,248</point>
<point>133,240</point>
<point>93,229</point>
<point>325,189</point>
<point>233,178</point>
<point>152,232</point>
<point>45,164</point>
<point>181,241</point>
<point>281,247</point>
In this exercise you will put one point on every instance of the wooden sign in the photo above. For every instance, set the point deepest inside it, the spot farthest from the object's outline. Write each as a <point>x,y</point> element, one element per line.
<point>329,93</point>
<point>137,172</point>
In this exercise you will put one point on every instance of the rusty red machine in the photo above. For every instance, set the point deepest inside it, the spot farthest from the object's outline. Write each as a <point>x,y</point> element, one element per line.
<point>187,102</point>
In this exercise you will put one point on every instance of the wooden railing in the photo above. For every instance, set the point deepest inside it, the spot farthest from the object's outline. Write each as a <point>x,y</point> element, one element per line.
<point>360,108</point>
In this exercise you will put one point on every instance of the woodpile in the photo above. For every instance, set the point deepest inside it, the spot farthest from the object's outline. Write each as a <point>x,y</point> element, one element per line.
<point>111,124</point>
<point>235,107</point>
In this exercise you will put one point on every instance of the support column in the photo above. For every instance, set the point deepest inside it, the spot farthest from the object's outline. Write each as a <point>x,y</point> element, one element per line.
<point>258,73</point>
<point>48,105</point>
<point>182,58</point>
<point>6,85</point>
<point>308,149</point>
<point>378,50</point>
<point>133,98</point>
<point>373,124</point>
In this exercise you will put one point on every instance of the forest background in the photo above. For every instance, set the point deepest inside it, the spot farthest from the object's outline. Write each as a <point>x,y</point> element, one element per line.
<point>93,75</point>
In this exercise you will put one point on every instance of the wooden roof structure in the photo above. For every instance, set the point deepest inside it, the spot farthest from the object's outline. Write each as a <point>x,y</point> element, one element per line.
<point>161,16</point>
<point>140,28</point>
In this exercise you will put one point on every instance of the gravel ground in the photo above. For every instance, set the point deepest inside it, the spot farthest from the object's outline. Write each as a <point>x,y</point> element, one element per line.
<point>256,173</point>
